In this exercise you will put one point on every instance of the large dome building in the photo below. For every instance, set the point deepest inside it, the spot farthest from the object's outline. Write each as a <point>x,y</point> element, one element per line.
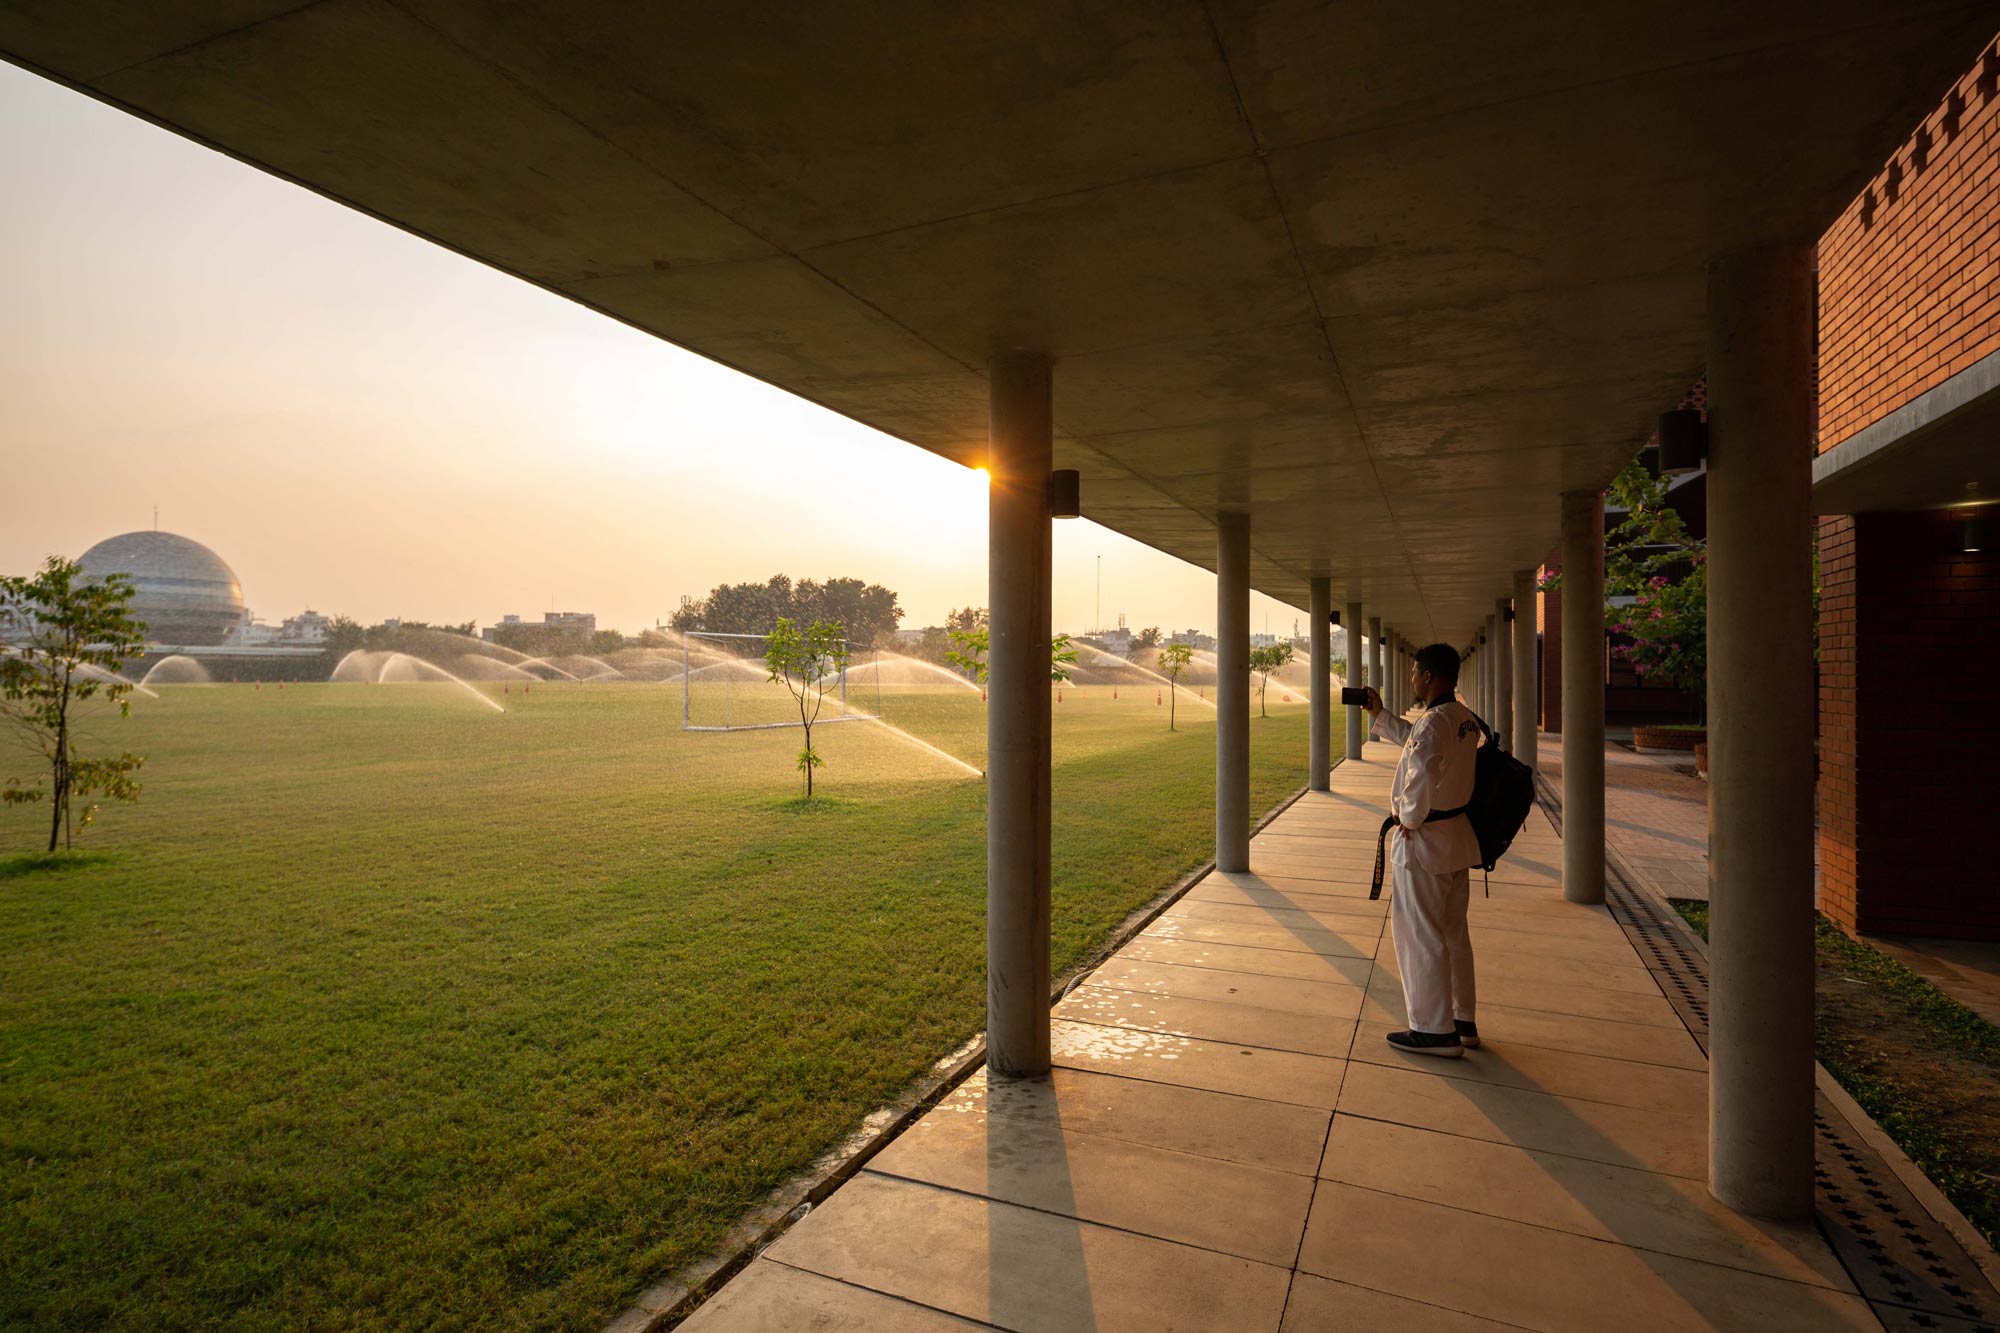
<point>186,594</point>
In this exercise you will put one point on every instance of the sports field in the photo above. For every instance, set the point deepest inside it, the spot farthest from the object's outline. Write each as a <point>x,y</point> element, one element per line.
<point>384,1009</point>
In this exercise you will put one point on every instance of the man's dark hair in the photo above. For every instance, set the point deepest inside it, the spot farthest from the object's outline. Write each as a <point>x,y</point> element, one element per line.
<point>1441,660</point>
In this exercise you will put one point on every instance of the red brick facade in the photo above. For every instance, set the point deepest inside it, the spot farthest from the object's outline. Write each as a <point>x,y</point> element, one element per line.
<point>1909,296</point>
<point>1909,276</point>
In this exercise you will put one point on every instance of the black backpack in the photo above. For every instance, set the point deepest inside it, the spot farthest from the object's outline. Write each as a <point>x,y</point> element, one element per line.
<point>1503,791</point>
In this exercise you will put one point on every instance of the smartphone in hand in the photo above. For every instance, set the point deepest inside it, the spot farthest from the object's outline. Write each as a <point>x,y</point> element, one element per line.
<point>1355,695</point>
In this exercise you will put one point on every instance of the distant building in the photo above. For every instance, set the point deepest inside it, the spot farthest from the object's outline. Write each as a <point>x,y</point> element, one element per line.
<point>307,626</point>
<point>183,592</point>
<point>568,621</point>
<point>1195,639</point>
<point>1117,641</point>
<point>1263,640</point>
<point>911,635</point>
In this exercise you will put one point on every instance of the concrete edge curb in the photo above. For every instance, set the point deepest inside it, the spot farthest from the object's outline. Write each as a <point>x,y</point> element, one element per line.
<point>667,1302</point>
<point>1941,1209</point>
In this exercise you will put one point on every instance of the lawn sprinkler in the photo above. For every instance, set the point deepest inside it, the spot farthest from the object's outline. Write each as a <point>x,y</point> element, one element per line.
<point>1114,691</point>
<point>1156,697</point>
<point>1058,696</point>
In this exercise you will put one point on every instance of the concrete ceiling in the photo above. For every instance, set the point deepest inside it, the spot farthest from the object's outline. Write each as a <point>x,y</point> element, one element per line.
<point>1392,276</point>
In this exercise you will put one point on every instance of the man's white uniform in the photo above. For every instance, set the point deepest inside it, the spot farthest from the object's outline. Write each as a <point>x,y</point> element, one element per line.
<point>1431,866</point>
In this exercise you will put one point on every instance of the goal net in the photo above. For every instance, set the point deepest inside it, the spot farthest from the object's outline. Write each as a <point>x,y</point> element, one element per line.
<point>725,686</point>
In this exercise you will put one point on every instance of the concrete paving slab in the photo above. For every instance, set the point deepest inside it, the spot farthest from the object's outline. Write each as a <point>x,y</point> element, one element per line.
<point>1319,999</point>
<point>1249,1071</point>
<point>1354,924</point>
<point>1318,1304</point>
<point>1210,1020</point>
<point>1560,1073</point>
<point>1622,1203</point>
<point>1385,992</point>
<point>1303,938</point>
<point>1255,961</point>
<point>1251,1130</point>
<point>1501,965</point>
<point>1231,1207</point>
<point>1507,1026</point>
<point>1673,1144</point>
<point>1017,1268</point>
<point>1551,1280</point>
<point>769,1295</point>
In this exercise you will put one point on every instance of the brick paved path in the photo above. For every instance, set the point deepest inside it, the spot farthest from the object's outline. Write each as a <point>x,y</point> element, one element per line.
<point>1655,818</point>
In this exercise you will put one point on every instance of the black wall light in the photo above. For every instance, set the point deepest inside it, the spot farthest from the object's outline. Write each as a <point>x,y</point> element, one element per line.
<point>1971,535</point>
<point>1066,494</point>
<point>1683,441</point>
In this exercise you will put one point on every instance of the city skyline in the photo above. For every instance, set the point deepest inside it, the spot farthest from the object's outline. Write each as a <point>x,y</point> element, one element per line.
<point>365,424</point>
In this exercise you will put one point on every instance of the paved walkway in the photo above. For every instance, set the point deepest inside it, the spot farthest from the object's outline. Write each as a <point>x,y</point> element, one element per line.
<point>1654,817</point>
<point>1227,1143</point>
<point>1656,820</point>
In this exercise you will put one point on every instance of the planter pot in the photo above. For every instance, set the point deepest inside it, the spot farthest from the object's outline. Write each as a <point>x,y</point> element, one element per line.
<point>1676,739</point>
<point>1701,758</point>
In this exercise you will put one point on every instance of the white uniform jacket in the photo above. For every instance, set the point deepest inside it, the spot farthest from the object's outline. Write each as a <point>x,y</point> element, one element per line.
<point>1435,773</point>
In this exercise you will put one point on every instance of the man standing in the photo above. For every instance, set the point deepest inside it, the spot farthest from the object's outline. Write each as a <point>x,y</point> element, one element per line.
<point>1432,857</point>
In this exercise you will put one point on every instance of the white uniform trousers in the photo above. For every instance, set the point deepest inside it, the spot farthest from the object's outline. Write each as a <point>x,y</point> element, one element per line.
<point>1433,946</point>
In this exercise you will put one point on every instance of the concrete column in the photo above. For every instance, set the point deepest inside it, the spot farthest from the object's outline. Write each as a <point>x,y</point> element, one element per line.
<point>1503,672</point>
<point>1583,696</point>
<point>1525,703</point>
<point>1232,692</point>
<point>1319,747</point>
<point>1760,731</point>
<point>1375,676</point>
<point>1017,719</point>
<point>1357,719</point>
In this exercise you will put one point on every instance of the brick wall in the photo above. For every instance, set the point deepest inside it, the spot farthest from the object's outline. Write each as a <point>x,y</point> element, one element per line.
<point>1838,835</point>
<point>1909,742</point>
<point>1909,276</point>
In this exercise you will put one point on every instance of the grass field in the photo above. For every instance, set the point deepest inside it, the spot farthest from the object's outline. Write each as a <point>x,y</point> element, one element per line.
<point>385,1010</point>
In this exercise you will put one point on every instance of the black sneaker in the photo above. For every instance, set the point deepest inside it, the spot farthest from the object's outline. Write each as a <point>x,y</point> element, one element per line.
<point>1442,1044</point>
<point>1468,1033</point>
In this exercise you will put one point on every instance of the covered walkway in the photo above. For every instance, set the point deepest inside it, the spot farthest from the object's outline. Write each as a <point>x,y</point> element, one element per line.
<point>1226,1142</point>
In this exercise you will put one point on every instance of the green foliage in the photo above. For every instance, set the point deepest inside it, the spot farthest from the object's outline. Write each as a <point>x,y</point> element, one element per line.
<point>805,661</point>
<point>866,612</point>
<point>1266,662</point>
<point>1062,656</point>
<point>1148,637</point>
<point>71,636</point>
<point>1173,660</point>
<point>970,647</point>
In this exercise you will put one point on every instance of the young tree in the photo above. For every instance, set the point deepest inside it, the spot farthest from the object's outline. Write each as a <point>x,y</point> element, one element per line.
<point>804,661</point>
<point>969,647</point>
<point>1174,659</point>
<point>71,638</point>
<point>1266,662</point>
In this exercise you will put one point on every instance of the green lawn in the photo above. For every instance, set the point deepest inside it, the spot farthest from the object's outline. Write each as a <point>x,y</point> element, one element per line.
<point>386,1010</point>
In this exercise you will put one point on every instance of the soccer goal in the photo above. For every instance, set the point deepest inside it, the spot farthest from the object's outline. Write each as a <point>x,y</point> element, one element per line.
<point>725,686</point>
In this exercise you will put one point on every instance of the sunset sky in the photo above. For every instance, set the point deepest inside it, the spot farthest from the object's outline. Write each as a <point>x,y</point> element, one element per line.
<point>361,422</point>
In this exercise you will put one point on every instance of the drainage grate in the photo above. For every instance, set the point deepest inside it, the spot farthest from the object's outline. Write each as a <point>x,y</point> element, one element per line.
<point>1911,1271</point>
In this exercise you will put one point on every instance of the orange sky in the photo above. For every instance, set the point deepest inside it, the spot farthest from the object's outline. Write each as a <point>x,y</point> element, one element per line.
<point>361,422</point>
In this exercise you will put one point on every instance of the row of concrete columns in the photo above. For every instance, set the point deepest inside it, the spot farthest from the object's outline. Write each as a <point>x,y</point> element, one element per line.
<point>1760,705</point>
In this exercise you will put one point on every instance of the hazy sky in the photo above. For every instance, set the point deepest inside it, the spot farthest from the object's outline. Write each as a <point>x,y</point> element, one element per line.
<point>361,422</point>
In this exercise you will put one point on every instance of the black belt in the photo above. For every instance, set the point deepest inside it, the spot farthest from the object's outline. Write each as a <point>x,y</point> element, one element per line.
<point>1382,839</point>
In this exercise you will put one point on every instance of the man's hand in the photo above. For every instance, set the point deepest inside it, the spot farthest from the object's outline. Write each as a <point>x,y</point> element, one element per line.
<point>1374,704</point>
